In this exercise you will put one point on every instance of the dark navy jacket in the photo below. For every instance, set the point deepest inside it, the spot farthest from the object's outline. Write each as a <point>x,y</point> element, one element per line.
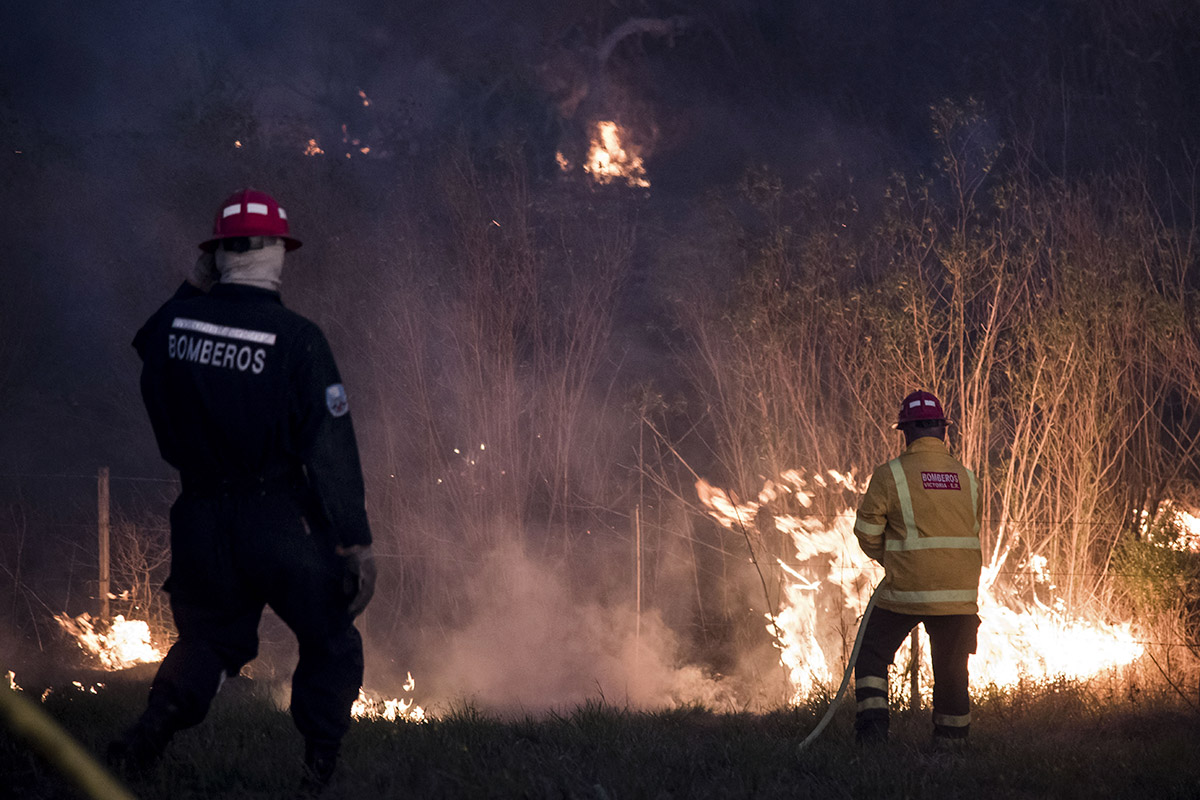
<point>241,391</point>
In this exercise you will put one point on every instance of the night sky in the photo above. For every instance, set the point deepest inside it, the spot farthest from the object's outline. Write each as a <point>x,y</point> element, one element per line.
<point>118,126</point>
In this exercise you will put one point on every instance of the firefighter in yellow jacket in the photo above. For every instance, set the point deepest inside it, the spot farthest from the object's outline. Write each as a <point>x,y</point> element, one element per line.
<point>920,519</point>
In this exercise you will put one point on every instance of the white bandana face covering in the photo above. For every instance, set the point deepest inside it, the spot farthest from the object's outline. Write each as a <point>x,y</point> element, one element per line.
<point>262,268</point>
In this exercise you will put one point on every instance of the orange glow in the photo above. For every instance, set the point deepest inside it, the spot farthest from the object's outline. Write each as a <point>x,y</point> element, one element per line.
<point>609,159</point>
<point>377,707</point>
<point>313,149</point>
<point>126,643</point>
<point>1187,524</point>
<point>1016,640</point>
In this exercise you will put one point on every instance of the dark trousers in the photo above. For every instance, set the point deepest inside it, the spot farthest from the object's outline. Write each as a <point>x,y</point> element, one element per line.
<point>952,640</point>
<point>232,555</point>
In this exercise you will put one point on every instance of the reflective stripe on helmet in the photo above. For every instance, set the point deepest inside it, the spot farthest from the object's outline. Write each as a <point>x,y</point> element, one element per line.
<point>249,213</point>
<point>920,406</point>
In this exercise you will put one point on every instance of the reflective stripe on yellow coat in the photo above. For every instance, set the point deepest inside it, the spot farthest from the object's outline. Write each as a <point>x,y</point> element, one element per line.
<point>920,518</point>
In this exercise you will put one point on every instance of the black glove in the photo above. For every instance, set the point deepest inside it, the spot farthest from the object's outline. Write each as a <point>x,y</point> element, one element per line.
<point>359,577</point>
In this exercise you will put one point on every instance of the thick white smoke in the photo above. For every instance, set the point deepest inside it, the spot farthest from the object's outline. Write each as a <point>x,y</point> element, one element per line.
<point>530,644</point>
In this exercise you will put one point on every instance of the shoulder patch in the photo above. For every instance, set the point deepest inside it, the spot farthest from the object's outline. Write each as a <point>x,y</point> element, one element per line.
<point>336,400</point>
<point>940,480</point>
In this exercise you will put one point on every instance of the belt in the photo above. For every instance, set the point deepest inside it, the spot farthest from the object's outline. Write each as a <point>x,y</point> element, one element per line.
<point>201,484</point>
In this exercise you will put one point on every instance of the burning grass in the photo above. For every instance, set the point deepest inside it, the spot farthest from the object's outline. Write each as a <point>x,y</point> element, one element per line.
<point>829,580</point>
<point>1065,707</point>
<point>1065,738</point>
<point>121,644</point>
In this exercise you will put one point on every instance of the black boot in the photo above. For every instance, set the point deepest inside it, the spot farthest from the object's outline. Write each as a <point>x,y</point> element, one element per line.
<point>871,731</point>
<point>950,740</point>
<point>320,760</point>
<point>142,746</point>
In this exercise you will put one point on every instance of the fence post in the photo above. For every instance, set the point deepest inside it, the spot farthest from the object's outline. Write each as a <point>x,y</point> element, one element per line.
<point>102,514</point>
<point>637,522</point>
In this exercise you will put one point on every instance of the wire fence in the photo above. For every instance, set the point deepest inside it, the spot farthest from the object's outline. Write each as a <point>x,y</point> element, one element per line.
<point>79,543</point>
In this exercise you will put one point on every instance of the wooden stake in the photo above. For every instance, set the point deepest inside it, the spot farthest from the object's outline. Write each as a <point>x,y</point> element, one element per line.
<point>637,522</point>
<point>102,514</point>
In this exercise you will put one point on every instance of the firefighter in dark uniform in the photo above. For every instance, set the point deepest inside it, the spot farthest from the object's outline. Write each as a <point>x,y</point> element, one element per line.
<point>246,402</point>
<point>920,518</point>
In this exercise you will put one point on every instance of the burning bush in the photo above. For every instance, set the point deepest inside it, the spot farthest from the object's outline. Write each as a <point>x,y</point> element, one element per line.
<point>1157,573</point>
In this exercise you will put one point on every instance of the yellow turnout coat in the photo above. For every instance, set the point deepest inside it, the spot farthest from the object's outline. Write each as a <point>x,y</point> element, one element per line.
<point>920,518</point>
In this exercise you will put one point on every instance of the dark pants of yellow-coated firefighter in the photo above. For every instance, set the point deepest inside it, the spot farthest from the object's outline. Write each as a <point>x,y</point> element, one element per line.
<point>952,640</point>
<point>231,555</point>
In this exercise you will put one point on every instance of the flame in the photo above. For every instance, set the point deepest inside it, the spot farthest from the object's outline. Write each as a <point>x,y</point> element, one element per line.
<point>1041,641</point>
<point>1182,524</point>
<point>378,707</point>
<point>609,159</point>
<point>1016,641</point>
<point>126,644</point>
<point>14,686</point>
<point>1189,523</point>
<point>313,149</point>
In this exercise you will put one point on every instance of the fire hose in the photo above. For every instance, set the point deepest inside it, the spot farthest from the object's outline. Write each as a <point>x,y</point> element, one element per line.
<point>59,748</point>
<point>862,627</point>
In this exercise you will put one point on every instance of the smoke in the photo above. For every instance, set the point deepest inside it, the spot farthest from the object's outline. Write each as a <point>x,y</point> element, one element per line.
<point>119,130</point>
<point>532,643</point>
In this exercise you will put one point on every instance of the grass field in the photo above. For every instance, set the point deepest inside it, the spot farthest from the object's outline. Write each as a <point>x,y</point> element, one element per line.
<point>1059,740</point>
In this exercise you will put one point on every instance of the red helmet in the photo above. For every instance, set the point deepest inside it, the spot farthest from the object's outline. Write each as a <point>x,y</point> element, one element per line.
<point>920,406</point>
<point>248,212</point>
